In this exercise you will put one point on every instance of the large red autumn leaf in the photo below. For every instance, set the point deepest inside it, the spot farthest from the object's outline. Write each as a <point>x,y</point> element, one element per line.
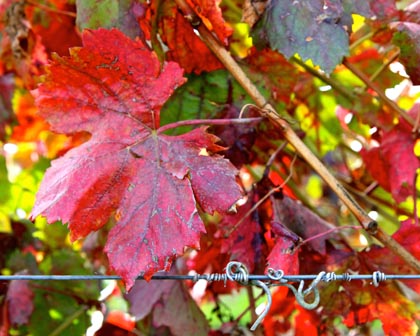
<point>113,88</point>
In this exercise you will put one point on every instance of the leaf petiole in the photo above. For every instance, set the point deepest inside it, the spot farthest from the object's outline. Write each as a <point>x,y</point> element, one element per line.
<point>208,122</point>
<point>325,233</point>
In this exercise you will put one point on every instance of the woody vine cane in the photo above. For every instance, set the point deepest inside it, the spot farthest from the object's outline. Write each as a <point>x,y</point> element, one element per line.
<point>266,110</point>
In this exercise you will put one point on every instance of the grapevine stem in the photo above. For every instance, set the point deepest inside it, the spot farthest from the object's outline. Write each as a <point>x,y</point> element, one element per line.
<point>268,111</point>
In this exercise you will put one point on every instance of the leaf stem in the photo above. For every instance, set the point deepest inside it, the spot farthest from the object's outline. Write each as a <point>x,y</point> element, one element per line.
<point>382,96</point>
<point>263,199</point>
<point>68,321</point>
<point>350,96</point>
<point>379,203</point>
<point>241,315</point>
<point>268,111</point>
<point>208,122</point>
<point>360,40</point>
<point>319,235</point>
<point>385,65</point>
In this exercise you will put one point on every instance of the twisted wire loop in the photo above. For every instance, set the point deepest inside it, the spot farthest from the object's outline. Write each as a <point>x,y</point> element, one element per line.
<point>331,276</point>
<point>236,271</point>
<point>377,277</point>
<point>276,275</point>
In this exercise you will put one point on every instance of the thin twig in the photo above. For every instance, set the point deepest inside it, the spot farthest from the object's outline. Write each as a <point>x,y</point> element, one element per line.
<point>272,158</point>
<point>251,305</point>
<point>263,199</point>
<point>385,65</point>
<point>241,315</point>
<point>289,134</point>
<point>382,96</point>
<point>360,40</point>
<point>68,321</point>
<point>50,9</point>
<point>325,233</point>
<point>349,95</point>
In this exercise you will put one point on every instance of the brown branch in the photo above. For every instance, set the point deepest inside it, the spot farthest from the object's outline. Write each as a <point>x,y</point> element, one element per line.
<point>268,111</point>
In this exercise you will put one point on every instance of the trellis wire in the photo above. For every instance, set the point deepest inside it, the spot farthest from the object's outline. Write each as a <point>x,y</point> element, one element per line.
<point>207,277</point>
<point>237,272</point>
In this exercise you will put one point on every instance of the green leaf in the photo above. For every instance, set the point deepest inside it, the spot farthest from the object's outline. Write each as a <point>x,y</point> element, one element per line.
<point>107,14</point>
<point>204,96</point>
<point>309,28</point>
<point>58,314</point>
<point>323,131</point>
<point>67,261</point>
<point>4,182</point>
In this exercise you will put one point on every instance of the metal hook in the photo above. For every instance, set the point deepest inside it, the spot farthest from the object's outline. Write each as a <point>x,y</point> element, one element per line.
<point>300,297</point>
<point>267,306</point>
<point>300,293</point>
<point>313,284</point>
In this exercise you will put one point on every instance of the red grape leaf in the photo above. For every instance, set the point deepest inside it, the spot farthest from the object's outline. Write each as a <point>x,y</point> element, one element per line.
<point>211,14</point>
<point>171,306</point>
<point>301,221</point>
<point>185,47</point>
<point>20,301</point>
<point>284,256</point>
<point>280,76</point>
<point>57,31</point>
<point>396,312</point>
<point>393,164</point>
<point>113,88</point>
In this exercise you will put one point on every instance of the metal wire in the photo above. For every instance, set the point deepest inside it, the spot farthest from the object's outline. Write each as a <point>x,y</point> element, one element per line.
<point>237,272</point>
<point>212,277</point>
